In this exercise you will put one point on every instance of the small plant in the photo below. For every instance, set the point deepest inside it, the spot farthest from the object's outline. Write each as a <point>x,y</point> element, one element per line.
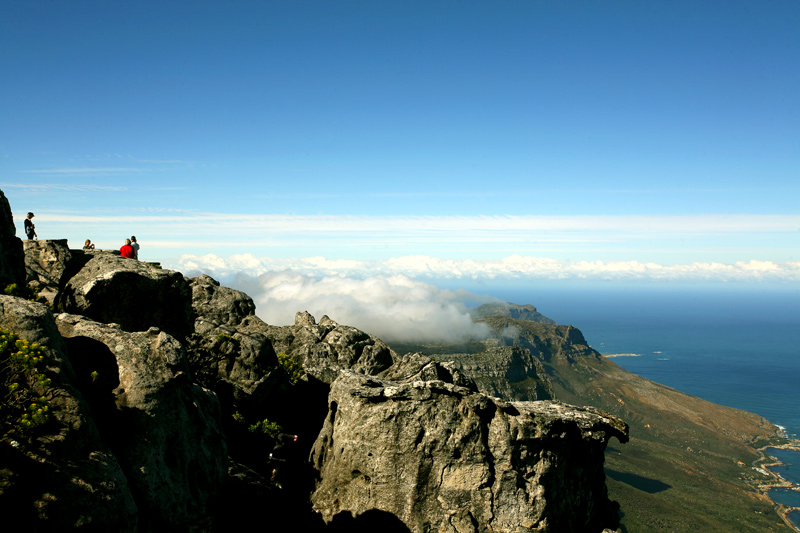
<point>24,388</point>
<point>26,292</point>
<point>270,429</point>
<point>293,369</point>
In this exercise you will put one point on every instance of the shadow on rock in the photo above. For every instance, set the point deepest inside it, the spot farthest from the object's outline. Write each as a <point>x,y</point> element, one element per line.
<point>368,522</point>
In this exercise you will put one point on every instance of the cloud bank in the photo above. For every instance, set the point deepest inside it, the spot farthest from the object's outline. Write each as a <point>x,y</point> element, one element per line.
<point>394,308</point>
<point>396,299</point>
<point>513,267</point>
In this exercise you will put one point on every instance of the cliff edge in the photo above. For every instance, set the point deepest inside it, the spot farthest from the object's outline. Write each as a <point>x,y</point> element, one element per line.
<point>171,406</point>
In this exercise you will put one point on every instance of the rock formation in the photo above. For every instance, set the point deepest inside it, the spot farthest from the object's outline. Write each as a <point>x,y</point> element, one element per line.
<point>506,372</point>
<point>176,408</point>
<point>69,478</point>
<point>442,457</point>
<point>165,430</point>
<point>45,264</point>
<point>130,293</point>
<point>12,262</point>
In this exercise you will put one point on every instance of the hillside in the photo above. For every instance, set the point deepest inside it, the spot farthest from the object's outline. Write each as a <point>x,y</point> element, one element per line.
<point>689,463</point>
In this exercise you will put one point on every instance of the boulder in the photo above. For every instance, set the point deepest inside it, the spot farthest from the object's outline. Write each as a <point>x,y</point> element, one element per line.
<point>65,477</point>
<point>45,263</point>
<point>12,258</point>
<point>420,367</point>
<point>164,430</point>
<point>216,306</point>
<point>135,295</point>
<point>441,457</point>
<point>327,347</point>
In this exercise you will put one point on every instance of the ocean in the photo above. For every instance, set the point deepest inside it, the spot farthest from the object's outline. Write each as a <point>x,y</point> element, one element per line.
<point>736,346</point>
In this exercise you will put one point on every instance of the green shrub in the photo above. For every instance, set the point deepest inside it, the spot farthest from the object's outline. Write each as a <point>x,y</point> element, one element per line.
<point>265,427</point>
<point>270,429</point>
<point>25,390</point>
<point>292,368</point>
<point>12,289</point>
<point>227,338</point>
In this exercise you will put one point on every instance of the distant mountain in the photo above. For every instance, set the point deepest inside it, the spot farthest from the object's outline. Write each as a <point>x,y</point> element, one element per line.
<point>521,312</point>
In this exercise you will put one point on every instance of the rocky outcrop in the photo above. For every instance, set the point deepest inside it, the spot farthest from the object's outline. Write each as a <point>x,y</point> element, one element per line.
<point>506,372</point>
<point>68,478</point>
<point>441,457</point>
<point>157,378</point>
<point>45,263</point>
<point>546,342</point>
<point>164,430</point>
<point>135,295</point>
<point>327,347</point>
<point>12,261</point>
<point>216,306</point>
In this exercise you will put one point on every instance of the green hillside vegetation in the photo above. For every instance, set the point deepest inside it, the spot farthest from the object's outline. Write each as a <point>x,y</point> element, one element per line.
<point>689,463</point>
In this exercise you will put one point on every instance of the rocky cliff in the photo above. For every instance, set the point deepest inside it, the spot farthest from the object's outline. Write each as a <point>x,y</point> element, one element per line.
<point>12,262</point>
<point>687,466</point>
<point>173,407</point>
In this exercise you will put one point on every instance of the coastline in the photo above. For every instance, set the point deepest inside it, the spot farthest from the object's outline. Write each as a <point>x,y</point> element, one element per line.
<point>612,355</point>
<point>763,465</point>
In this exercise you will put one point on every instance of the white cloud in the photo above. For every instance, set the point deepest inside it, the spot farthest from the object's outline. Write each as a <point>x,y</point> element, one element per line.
<point>480,228</point>
<point>394,308</point>
<point>84,170</point>
<point>511,267</point>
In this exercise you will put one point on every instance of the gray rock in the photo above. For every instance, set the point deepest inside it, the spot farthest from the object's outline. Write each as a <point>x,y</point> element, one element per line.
<point>327,347</point>
<point>45,263</point>
<point>216,306</point>
<point>546,342</point>
<point>443,458</point>
<point>164,429</point>
<point>135,295</point>
<point>68,477</point>
<point>12,258</point>
<point>419,367</point>
<point>507,372</point>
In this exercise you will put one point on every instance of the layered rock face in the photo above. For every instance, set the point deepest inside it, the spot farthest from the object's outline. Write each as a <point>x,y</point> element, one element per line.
<point>166,391</point>
<point>442,457</point>
<point>45,264</point>
<point>12,263</point>
<point>506,372</point>
<point>548,343</point>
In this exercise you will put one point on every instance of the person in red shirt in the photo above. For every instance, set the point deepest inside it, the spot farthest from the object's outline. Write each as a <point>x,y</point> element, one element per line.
<point>126,250</point>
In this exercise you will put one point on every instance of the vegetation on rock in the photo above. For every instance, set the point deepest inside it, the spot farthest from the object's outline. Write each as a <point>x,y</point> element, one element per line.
<point>26,391</point>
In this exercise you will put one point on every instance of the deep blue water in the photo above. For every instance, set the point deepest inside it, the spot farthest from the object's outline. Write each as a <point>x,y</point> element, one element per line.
<point>739,348</point>
<point>733,346</point>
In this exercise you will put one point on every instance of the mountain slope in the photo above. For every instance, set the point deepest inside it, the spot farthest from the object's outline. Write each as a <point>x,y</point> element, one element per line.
<point>688,465</point>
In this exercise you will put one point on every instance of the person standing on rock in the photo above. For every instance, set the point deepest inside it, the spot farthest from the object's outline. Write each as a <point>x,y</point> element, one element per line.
<point>126,250</point>
<point>30,229</point>
<point>135,246</point>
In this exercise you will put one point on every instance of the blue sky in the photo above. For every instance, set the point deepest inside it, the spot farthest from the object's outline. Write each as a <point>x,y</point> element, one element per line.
<point>454,139</point>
